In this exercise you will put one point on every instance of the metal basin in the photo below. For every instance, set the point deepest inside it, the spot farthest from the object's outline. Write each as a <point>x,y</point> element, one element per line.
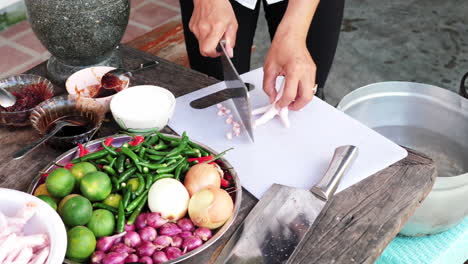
<point>92,146</point>
<point>433,121</point>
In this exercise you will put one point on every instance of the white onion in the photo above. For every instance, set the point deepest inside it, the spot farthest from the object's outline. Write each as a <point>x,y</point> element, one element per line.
<point>169,198</point>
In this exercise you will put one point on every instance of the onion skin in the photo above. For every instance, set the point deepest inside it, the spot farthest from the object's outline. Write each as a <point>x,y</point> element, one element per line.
<point>131,258</point>
<point>159,257</point>
<point>168,197</point>
<point>128,228</point>
<point>155,220</point>
<point>146,259</point>
<point>210,207</point>
<point>105,243</point>
<point>140,222</point>
<point>185,224</point>
<point>169,229</point>
<point>122,248</point>
<point>115,258</point>
<point>147,233</point>
<point>146,249</point>
<point>203,233</point>
<point>201,176</point>
<point>185,234</point>
<point>177,241</point>
<point>190,243</point>
<point>132,239</point>
<point>162,242</point>
<point>97,257</point>
<point>173,253</point>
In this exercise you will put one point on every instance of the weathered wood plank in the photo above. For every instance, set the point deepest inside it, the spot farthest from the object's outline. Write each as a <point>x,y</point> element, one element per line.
<point>358,224</point>
<point>361,221</point>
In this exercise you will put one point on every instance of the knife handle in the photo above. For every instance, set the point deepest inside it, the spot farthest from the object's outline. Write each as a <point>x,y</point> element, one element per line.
<point>343,157</point>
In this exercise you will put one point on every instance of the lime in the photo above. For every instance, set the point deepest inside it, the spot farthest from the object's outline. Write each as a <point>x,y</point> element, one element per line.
<point>80,169</point>
<point>42,190</point>
<point>102,223</point>
<point>81,243</point>
<point>63,201</point>
<point>76,210</point>
<point>113,200</point>
<point>60,182</point>
<point>96,186</point>
<point>134,182</point>
<point>49,200</point>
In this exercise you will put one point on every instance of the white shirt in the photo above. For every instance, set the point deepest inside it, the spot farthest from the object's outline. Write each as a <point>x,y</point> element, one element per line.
<point>252,3</point>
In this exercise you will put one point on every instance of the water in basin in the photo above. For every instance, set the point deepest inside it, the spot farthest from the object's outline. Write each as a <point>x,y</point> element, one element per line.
<point>450,157</point>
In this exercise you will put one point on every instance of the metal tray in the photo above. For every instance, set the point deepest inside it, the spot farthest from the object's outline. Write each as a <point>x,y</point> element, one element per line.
<point>119,140</point>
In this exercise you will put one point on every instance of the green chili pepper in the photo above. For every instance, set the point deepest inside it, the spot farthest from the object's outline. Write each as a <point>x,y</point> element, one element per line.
<point>152,140</point>
<point>135,202</point>
<point>126,175</point>
<point>166,138</point>
<point>127,195</point>
<point>109,158</point>
<point>93,156</point>
<point>145,170</point>
<point>155,157</point>
<point>141,184</point>
<point>142,152</point>
<point>102,161</point>
<point>109,149</point>
<point>125,145</point>
<point>181,147</point>
<point>137,210</point>
<point>153,166</point>
<point>162,176</point>
<point>149,181</point>
<point>129,153</point>
<point>218,156</point>
<point>160,146</point>
<point>170,168</point>
<point>121,218</point>
<point>109,170</point>
<point>174,143</point>
<point>120,163</point>
<point>195,153</point>
<point>105,206</point>
<point>155,152</point>
<point>178,170</point>
<point>186,167</point>
<point>174,157</point>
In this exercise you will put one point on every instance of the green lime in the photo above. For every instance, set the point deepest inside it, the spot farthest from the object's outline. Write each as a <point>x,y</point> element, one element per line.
<point>96,186</point>
<point>63,201</point>
<point>113,200</point>
<point>80,169</point>
<point>81,243</point>
<point>76,210</point>
<point>102,223</point>
<point>42,190</point>
<point>49,200</point>
<point>134,182</point>
<point>60,182</point>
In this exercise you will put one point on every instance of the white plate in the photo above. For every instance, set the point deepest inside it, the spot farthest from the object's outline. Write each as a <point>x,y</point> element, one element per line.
<point>46,220</point>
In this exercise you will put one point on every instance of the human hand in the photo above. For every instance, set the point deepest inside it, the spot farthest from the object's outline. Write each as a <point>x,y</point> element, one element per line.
<point>210,22</point>
<point>289,56</point>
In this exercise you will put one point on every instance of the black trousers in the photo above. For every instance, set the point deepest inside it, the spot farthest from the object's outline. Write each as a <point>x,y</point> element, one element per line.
<point>322,38</point>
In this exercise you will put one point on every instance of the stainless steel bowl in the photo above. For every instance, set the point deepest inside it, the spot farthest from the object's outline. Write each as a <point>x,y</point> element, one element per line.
<point>236,195</point>
<point>433,121</point>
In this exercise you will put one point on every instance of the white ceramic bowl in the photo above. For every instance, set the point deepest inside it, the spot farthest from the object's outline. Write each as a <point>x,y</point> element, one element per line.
<point>46,220</point>
<point>79,82</point>
<point>143,108</point>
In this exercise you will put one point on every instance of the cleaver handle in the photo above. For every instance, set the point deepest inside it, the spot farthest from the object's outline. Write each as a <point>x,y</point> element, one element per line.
<point>343,157</point>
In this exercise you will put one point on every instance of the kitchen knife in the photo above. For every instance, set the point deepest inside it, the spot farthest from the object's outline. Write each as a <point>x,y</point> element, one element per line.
<point>282,217</point>
<point>239,92</point>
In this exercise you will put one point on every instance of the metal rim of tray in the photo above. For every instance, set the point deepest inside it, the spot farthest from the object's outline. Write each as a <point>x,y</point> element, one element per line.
<point>220,232</point>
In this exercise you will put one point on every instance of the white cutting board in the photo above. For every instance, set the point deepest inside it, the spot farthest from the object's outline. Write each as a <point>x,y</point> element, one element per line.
<point>296,157</point>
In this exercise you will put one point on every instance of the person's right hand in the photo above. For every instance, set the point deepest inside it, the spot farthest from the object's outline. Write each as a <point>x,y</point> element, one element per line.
<point>212,21</point>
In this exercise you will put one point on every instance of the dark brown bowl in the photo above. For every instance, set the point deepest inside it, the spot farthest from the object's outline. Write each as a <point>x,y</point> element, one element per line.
<point>16,84</point>
<point>58,107</point>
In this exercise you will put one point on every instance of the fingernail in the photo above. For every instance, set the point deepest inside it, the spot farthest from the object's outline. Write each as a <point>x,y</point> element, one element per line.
<point>231,52</point>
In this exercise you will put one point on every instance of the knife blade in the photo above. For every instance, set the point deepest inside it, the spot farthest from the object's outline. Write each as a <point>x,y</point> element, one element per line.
<point>240,93</point>
<point>282,217</point>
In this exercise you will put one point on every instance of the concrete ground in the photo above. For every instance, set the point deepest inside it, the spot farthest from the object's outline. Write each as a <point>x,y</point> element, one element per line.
<point>420,41</point>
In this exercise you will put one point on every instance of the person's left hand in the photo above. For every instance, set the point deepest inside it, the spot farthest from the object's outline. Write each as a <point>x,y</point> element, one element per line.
<point>289,56</point>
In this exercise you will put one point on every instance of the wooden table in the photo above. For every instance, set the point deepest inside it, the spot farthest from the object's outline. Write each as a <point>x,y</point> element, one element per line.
<point>358,224</point>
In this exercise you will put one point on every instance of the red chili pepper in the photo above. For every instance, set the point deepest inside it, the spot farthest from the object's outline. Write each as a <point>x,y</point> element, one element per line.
<point>201,159</point>
<point>225,183</point>
<point>100,166</point>
<point>228,176</point>
<point>44,175</point>
<point>118,150</point>
<point>82,149</point>
<point>68,166</point>
<point>100,148</point>
<point>108,141</point>
<point>137,140</point>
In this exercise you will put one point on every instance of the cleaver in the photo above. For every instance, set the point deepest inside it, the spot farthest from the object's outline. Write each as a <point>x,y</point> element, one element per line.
<point>282,217</point>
